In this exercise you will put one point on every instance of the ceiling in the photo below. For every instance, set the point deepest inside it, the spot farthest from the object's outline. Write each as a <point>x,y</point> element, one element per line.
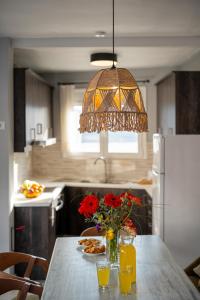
<point>22,19</point>
<point>61,18</point>
<point>78,59</point>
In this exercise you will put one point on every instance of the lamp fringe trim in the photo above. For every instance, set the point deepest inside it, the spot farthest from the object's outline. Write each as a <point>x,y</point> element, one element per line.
<point>113,121</point>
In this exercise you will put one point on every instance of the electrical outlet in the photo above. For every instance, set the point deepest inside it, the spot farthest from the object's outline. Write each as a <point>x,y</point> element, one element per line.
<point>2,125</point>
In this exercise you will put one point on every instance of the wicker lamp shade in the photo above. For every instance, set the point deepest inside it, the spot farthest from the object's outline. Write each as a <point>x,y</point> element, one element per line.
<point>113,102</point>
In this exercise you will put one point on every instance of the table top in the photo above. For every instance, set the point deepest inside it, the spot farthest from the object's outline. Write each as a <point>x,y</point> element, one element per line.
<point>72,275</point>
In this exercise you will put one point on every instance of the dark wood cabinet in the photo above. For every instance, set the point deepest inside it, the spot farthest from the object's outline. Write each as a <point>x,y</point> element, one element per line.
<point>72,223</point>
<point>32,108</point>
<point>35,233</point>
<point>178,103</point>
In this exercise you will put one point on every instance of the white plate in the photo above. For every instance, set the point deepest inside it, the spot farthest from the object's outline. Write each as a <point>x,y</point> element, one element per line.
<point>91,254</point>
<point>84,246</point>
<point>80,246</point>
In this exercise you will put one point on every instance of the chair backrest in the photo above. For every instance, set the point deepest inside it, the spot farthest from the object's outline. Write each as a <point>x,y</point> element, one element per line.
<point>189,269</point>
<point>9,282</point>
<point>7,285</point>
<point>8,259</point>
<point>92,231</point>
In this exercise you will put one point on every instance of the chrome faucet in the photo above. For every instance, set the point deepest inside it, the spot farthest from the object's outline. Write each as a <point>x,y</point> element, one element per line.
<point>105,166</point>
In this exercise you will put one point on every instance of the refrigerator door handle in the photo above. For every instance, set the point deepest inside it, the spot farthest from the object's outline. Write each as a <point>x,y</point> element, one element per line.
<point>157,173</point>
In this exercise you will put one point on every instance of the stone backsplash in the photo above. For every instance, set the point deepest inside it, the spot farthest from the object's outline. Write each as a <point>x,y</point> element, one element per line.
<point>49,163</point>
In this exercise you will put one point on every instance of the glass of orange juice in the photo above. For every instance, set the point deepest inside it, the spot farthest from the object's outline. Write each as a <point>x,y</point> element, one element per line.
<point>103,273</point>
<point>125,280</point>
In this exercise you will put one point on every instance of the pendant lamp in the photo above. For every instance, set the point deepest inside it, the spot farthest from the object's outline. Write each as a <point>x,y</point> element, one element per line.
<point>113,102</point>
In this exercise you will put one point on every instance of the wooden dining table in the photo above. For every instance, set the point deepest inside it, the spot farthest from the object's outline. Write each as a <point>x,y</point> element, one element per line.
<point>72,274</point>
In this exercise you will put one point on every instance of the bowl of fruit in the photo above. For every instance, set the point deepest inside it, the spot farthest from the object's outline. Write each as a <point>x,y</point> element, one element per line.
<point>31,189</point>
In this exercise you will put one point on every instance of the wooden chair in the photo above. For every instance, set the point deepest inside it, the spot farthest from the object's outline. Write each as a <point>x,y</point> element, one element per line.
<point>192,275</point>
<point>92,231</point>
<point>10,283</point>
<point>9,259</point>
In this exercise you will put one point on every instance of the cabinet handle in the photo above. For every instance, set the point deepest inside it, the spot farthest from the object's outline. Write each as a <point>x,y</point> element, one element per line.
<point>12,239</point>
<point>59,205</point>
<point>39,128</point>
<point>32,134</point>
<point>20,228</point>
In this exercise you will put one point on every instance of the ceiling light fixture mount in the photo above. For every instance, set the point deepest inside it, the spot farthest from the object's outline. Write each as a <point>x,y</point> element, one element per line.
<point>113,101</point>
<point>103,59</point>
<point>100,34</point>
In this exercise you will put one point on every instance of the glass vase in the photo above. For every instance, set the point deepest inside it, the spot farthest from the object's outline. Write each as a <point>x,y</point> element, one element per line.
<point>112,249</point>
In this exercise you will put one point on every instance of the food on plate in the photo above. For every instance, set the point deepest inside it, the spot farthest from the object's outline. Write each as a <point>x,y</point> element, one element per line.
<point>91,246</point>
<point>95,249</point>
<point>89,242</point>
<point>81,242</point>
<point>31,189</point>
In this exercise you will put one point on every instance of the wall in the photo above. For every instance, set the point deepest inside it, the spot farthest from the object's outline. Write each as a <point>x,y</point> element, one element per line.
<point>193,64</point>
<point>22,168</point>
<point>6,143</point>
<point>49,163</point>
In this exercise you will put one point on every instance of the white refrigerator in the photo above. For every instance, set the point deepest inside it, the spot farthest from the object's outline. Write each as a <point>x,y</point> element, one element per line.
<point>176,194</point>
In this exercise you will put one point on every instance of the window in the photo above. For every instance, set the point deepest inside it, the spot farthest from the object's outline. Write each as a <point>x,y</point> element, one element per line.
<point>81,143</point>
<point>122,142</point>
<point>110,144</point>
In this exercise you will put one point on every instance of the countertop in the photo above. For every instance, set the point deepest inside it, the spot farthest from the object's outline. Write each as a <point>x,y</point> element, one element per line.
<point>46,198</point>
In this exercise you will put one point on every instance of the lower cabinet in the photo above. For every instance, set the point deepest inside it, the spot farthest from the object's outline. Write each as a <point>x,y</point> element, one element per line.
<point>34,234</point>
<point>72,223</point>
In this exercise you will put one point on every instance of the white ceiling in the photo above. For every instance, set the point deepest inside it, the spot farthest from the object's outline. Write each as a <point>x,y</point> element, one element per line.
<point>58,18</point>
<point>77,18</point>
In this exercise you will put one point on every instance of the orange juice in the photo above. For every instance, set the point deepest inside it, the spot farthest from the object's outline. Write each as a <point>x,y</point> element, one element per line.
<point>128,258</point>
<point>125,281</point>
<point>103,273</point>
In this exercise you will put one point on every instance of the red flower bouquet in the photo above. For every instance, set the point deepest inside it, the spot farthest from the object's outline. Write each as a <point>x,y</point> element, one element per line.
<point>110,213</point>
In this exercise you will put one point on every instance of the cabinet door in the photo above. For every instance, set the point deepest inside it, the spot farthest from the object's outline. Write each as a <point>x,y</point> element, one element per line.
<point>38,108</point>
<point>44,110</point>
<point>34,234</point>
<point>187,102</point>
<point>19,110</point>
<point>166,105</point>
<point>32,108</point>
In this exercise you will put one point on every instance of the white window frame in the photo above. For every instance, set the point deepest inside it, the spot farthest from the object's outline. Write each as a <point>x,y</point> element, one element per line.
<point>103,140</point>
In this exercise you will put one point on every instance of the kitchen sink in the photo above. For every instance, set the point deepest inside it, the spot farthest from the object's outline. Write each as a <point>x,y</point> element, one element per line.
<point>90,181</point>
<point>72,180</point>
<point>116,182</point>
<point>107,182</point>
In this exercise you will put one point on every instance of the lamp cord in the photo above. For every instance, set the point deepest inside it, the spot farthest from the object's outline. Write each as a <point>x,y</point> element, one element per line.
<point>113,31</point>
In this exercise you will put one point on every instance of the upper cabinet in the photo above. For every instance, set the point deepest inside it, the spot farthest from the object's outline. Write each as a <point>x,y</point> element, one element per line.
<point>178,103</point>
<point>32,109</point>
